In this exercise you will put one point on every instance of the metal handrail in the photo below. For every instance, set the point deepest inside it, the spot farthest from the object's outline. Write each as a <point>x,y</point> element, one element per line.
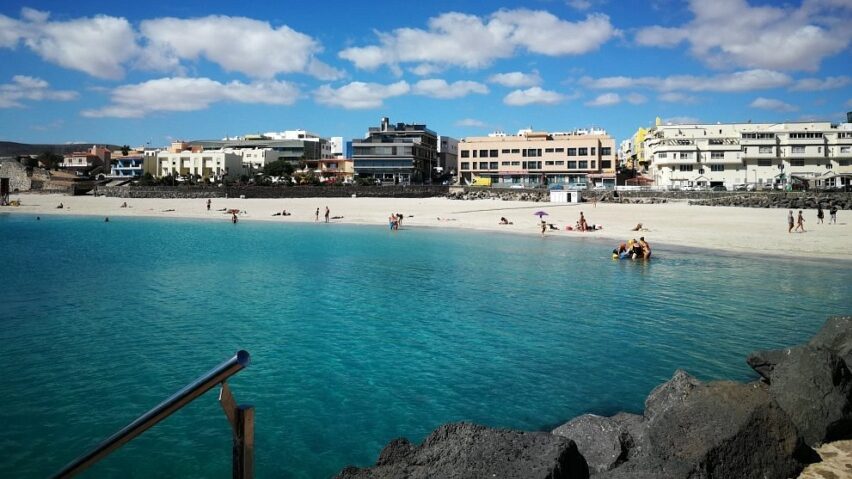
<point>185,395</point>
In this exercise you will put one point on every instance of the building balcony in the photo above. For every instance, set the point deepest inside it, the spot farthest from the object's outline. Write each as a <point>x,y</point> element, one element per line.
<point>802,141</point>
<point>759,141</point>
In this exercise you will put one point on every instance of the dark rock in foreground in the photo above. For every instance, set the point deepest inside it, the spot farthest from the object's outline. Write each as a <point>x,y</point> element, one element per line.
<point>469,451</point>
<point>689,429</point>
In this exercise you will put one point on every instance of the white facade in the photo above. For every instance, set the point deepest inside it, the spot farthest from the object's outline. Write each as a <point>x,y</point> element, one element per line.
<point>255,159</point>
<point>206,164</point>
<point>336,144</point>
<point>731,154</point>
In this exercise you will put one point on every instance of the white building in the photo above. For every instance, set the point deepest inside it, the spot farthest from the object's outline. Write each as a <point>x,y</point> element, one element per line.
<point>741,153</point>
<point>337,146</point>
<point>213,164</point>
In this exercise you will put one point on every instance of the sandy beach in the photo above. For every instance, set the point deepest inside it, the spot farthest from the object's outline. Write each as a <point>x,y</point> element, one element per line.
<point>674,224</point>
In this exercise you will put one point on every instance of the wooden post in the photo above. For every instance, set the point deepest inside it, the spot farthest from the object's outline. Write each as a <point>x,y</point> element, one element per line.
<point>243,466</point>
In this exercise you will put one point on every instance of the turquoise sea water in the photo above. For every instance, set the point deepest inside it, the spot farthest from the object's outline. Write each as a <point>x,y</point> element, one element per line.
<point>358,335</point>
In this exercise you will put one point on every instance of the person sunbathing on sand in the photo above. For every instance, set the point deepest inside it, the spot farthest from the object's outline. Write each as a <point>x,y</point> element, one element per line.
<point>638,227</point>
<point>503,221</point>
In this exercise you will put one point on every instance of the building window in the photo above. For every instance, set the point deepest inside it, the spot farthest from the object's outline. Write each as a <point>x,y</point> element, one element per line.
<point>572,152</point>
<point>504,163</point>
<point>662,155</point>
<point>559,163</point>
<point>797,162</point>
<point>717,167</point>
<point>764,149</point>
<point>516,163</point>
<point>559,150</point>
<point>548,163</point>
<point>483,153</point>
<point>465,154</point>
<point>808,135</point>
<point>715,141</point>
<point>844,162</point>
<point>583,165</point>
<point>516,151</point>
<point>465,165</point>
<point>685,167</point>
<point>764,162</point>
<point>593,151</point>
<point>493,165</point>
<point>606,151</point>
<point>606,164</point>
<point>584,152</point>
<point>494,154</point>
<point>685,156</point>
<point>798,150</point>
<point>474,153</point>
<point>717,155</point>
<point>505,152</point>
<point>845,149</point>
<point>548,150</point>
<point>572,165</point>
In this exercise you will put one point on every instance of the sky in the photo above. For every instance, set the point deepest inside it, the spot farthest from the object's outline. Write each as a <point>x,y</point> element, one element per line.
<point>147,73</point>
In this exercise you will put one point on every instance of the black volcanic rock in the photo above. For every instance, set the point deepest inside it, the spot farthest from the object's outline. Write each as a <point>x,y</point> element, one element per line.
<point>765,361</point>
<point>669,394</point>
<point>836,336</point>
<point>814,387</point>
<point>727,429</point>
<point>471,451</point>
<point>601,440</point>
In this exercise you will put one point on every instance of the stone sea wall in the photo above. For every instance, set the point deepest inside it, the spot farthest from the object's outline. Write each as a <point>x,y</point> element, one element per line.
<point>842,201</point>
<point>273,191</point>
<point>767,428</point>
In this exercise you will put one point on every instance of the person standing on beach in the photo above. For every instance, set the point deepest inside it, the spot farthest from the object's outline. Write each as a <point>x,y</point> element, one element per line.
<point>790,221</point>
<point>327,212</point>
<point>800,222</point>
<point>833,213</point>
<point>543,227</point>
<point>820,214</point>
<point>208,204</point>
<point>316,215</point>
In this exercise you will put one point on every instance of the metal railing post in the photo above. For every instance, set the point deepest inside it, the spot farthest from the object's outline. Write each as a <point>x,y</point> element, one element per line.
<point>244,442</point>
<point>184,396</point>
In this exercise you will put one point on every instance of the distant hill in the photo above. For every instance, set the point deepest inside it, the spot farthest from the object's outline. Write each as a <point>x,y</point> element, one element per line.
<point>9,148</point>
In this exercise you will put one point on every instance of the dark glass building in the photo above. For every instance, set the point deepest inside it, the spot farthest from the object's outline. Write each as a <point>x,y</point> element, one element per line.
<point>402,153</point>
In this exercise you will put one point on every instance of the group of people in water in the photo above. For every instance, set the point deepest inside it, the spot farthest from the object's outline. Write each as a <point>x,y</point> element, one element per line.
<point>633,250</point>
<point>395,221</point>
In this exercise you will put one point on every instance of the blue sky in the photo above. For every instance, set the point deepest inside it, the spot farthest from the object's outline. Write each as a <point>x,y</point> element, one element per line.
<point>137,73</point>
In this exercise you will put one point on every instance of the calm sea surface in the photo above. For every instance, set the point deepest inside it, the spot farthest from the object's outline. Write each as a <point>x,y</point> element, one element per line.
<point>358,335</point>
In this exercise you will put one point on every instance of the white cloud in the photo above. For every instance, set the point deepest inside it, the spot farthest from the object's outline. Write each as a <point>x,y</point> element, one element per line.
<point>606,99</point>
<point>677,97</point>
<point>727,33</point>
<point>816,84</point>
<point>438,88</point>
<point>772,104</point>
<point>534,95</point>
<point>516,79</point>
<point>579,4</point>
<point>237,44</point>
<point>457,39</point>
<point>471,122</point>
<point>30,88</point>
<point>727,82</point>
<point>425,69</point>
<point>98,45</point>
<point>635,99</point>
<point>190,94</point>
<point>360,95</point>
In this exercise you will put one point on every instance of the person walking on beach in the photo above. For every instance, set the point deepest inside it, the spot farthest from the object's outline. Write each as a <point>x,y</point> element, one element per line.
<point>833,213</point>
<point>800,222</point>
<point>234,218</point>
<point>316,215</point>
<point>790,221</point>
<point>327,211</point>
<point>543,227</point>
<point>583,224</point>
<point>208,204</point>
<point>820,214</point>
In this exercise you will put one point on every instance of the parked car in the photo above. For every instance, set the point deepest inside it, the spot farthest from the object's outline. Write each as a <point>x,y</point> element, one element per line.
<point>719,188</point>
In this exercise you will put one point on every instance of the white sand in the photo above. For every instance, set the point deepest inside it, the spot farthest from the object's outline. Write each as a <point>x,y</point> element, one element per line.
<point>735,230</point>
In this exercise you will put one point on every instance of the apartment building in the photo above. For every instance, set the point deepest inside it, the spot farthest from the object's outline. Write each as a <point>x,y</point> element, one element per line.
<point>84,160</point>
<point>534,158</point>
<point>766,154</point>
<point>401,153</point>
<point>448,155</point>
<point>210,164</point>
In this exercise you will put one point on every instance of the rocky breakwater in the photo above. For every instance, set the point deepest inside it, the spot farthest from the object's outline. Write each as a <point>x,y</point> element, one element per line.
<point>505,194</point>
<point>689,429</point>
<point>842,201</point>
